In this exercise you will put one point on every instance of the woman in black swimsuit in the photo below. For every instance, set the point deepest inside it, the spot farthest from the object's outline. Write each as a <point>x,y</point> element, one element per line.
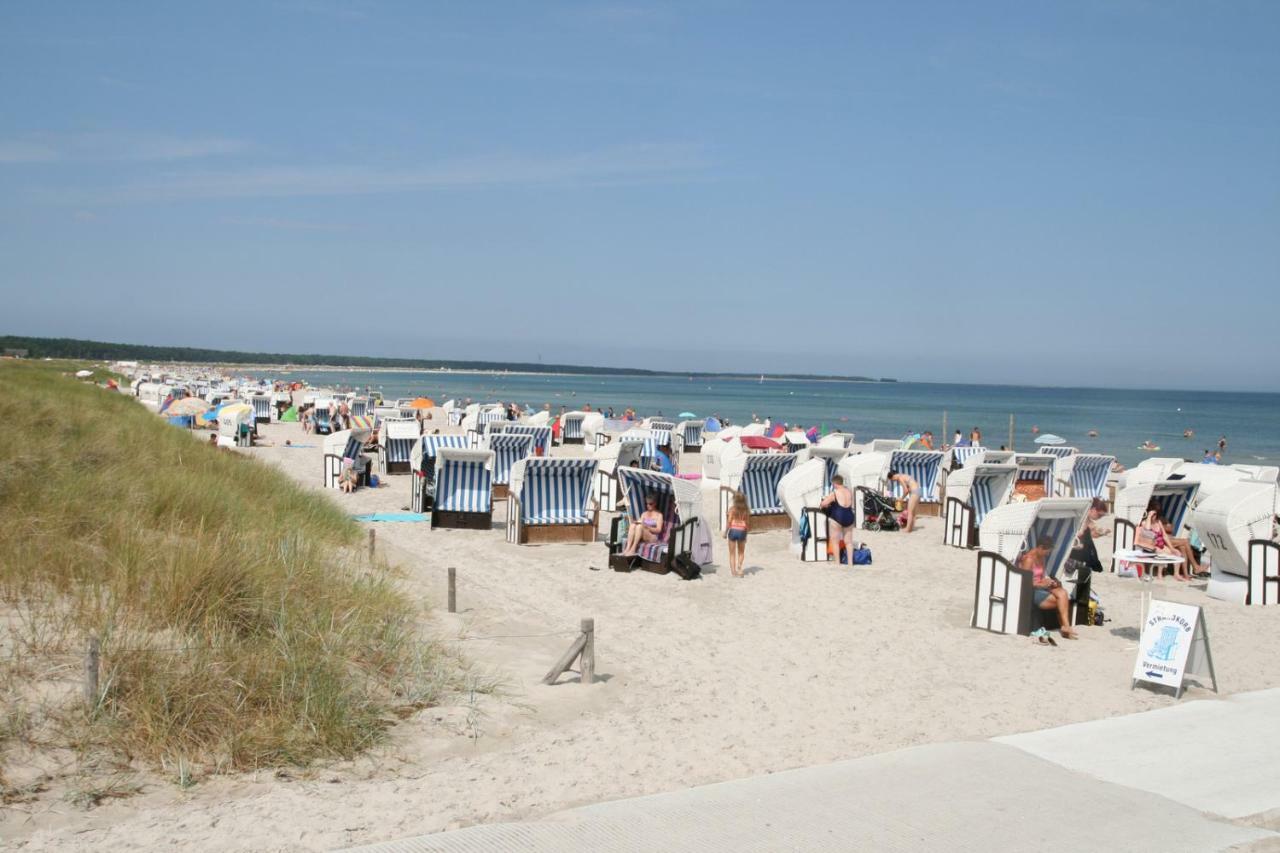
<point>839,507</point>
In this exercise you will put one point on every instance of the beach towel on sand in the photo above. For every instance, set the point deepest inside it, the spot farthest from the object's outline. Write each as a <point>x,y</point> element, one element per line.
<point>392,516</point>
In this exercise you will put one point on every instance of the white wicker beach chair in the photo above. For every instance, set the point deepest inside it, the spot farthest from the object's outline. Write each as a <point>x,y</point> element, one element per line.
<point>464,489</point>
<point>757,477</point>
<point>571,427</point>
<point>422,462</point>
<point>688,436</point>
<point>1173,498</point>
<point>801,490</point>
<point>550,501</point>
<point>683,544</point>
<point>972,492</point>
<point>342,448</point>
<point>1035,471</point>
<point>396,439</point>
<point>261,408</point>
<point>1237,526</point>
<point>1083,475</point>
<point>540,434</point>
<point>508,449</point>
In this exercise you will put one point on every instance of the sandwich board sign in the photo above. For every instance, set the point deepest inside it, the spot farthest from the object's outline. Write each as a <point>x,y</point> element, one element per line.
<point>1174,642</point>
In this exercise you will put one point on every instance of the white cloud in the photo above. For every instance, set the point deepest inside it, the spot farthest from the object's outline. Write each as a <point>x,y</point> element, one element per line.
<point>100,146</point>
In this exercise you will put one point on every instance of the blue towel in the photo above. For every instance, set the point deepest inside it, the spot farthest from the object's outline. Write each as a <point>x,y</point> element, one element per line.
<point>392,516</point>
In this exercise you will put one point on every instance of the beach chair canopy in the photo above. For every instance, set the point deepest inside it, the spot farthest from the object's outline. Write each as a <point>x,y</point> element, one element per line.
<point>571,424</point>
<point>1151,470</point>
<point>649,442</point>
<point>1212,478</point>
<point>830,456</point>
<point>1035,466</point>
<point>427,446</point>
<point>464,480</point>
<point>984,486</point>
<point>964,455</point>
<point>553,491</point>
<point>863,469</point>
<point>796,438</point>
<point>923,466</point>
<point>1173,497</point>
<point>882,445</point>
<point>1263,473</point>
<point>1227,522</point>
<point>537,419</point>
<point>803,486</point>
<point>407,429</point>
<point>690,432</point>
<point>1085,473</point>
<point>639,485</point>
<point>1011,530</point>
<point>625,452</point>
<point>748,429</point>
<point>346,443</point>
<point>759,480</point>
<point>541,435</point>
<point>836,439</point>
<point>508,449</point>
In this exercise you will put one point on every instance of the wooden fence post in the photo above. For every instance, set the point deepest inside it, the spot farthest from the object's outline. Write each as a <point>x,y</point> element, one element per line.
<point>373,535</point>
<point>1011,432</point>
<point>91,667</point>
<point>588,667</point>
<point>944,439</point>
<point>453,590</point>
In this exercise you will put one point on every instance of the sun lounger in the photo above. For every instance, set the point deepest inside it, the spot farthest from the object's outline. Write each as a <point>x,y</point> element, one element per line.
<point>508,449</point>
<point>464,489</point>
<point>1236,526</point>
<point>678,501</point>
<point>972,492</point>
<point>1004,600</point>
<point>396,439</point>
<point>550,501</point>
<point>757,477</point>
<point>422,462</point>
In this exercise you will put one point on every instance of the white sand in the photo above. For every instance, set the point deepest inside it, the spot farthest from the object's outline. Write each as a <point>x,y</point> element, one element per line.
<point>701,681</point>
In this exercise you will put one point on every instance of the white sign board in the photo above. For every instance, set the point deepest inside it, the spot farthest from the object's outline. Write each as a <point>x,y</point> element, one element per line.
<point>1174,642</point>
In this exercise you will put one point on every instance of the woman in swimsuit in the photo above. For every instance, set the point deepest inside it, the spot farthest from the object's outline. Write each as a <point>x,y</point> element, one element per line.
<point>737,523</point>
<point>839,507</point>
<point>1166,544</point>
<point>1049,594</point>
<point>647,529</point>
<point>912,488</point>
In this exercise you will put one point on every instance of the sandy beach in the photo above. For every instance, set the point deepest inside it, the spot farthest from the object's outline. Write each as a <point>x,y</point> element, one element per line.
<point>701,681</point>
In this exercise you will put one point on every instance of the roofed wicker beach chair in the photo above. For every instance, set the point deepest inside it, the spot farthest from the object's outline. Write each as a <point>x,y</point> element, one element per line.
<point>673,550</point>
<point>1173,498</point>
<point>422,462</point>
<point>571,427</point>
<point>464,489</point>
<point>962,454</point>
<point>1035,475</point>
<point>1061,451</point>
<point>360,406</point>
<point>795,440</point>
<point>688,436</point>
<point>972,492</point>
<point>801,490</point>
<point>541,435</point>
<point>261,408</point>
<point>923,466</point>
<point>1236,527</point>
<point>508,449</point>
<point>1083,475</point>
<point>757,475</point>
<point>320,416</point>
<point>396,439</point>
<point>345,448</point>
<point>713,450</point>
<point>628,451</point>
<point>550,501</point>
<point>1004,600</point>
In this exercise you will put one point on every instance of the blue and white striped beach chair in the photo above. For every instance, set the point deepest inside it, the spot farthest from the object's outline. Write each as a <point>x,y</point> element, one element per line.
<point>464,489</point>
<point>1035,469</point>
<point>678,501</point>
<point>261,408</point>
<point>1084,475</point>
<point>541,436</point>
<point>923,466</point>
<point>571,427</point>
<point>396,439</point>
<point>422,461</point>
<point>961,455</point>
<point>1004,598</point>
<point>508,449</point>
<point>359,406</point>
<point>1173,498</point>
<point>341,446</point>
<point>320,417</point>
<point>972,492</point>
<point>688,436</point>
<point>761,473</point>
<point>550,501</point>
<point>1061,451</point>
<point>626,452</point>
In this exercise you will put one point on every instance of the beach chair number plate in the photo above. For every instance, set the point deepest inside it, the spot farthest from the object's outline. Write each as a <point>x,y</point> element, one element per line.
<point>1174,642</point>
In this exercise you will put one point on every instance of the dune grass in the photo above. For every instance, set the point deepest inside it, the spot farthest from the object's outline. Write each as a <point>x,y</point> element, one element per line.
<point>240,625</point>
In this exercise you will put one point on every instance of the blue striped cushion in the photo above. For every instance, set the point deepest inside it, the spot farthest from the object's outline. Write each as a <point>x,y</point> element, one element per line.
<point>541,435</point>
<point>507,450</point>
<point>1063,531</point>
<point>398,449</point>
<point>463,485</point>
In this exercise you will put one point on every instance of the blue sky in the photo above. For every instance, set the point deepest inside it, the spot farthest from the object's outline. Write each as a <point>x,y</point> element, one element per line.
<point>1081,193</point>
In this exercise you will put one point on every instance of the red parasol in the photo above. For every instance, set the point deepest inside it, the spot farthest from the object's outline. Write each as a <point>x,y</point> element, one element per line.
<point>759,442</point>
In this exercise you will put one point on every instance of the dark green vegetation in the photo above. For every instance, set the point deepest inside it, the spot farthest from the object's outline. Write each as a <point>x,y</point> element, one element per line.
<point>97,350</point>
<point>240,625</point>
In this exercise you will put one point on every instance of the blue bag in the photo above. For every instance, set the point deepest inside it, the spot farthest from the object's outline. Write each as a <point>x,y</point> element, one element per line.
<point>862,556</point>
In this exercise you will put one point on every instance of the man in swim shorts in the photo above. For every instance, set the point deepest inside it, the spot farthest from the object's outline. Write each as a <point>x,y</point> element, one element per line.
<point>912,489</point>
<point>839,506</point>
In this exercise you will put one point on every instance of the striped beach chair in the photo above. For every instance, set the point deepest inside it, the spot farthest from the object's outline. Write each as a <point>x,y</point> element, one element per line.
<point>626,452</point>
<point>360,406</point>
<point>795,440</point>
<point>320,416</point>
<point>422,462</point>
<point>1235,524</point>
<point>923,466</point>
<point>464,489</point>
<point>550,501</point>
<point>688,436</point>
<point>758,480</point>
<point>972,492</point>
<point>1035,475</point>
<point>541,436</point>
<point>1004,599</point>
<point>1172,497</point>
<point>961,455</point>
<point>801,490</point>
<point>261,408</point>
<point>342,446</point>
<point>1083,475</point>
<point>678,501</point>
<point>395,444</point>
<point>1061,451</point>
<point>571,427</point>
<point>508,449</point>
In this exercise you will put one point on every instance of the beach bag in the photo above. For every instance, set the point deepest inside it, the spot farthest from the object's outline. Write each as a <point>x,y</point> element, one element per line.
<point>862,556</point>
<point>373,481</point>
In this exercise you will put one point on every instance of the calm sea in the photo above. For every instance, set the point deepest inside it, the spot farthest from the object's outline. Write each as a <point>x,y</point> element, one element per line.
<point>1123,419</point>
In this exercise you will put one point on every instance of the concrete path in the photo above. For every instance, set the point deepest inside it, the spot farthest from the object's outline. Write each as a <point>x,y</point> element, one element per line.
<point>1141,782</point>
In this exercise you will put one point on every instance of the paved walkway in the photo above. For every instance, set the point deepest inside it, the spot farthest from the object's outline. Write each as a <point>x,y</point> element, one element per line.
<point>1163,780</point>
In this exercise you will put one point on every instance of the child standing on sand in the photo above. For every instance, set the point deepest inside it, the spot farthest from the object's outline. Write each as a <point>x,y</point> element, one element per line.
<point>735,530</point>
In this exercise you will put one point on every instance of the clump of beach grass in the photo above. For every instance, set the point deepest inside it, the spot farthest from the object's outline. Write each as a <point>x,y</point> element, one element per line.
<point>239,625</point>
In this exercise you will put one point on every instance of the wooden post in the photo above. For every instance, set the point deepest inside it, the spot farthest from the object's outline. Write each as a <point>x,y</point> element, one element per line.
<point>91,673</point>
<point>944,439</point>
<point>588,667</point>
<point>453,590</point>
<point>373,535</point>
<point>1011,432</point>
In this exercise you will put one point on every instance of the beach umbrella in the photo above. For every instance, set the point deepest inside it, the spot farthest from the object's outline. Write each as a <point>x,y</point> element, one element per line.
<point>712,425</point>
<point>188,406</point>
<point>686,415</point>
<point>423,403</point>
<point>1050,438</point>
<point>759,442</point>
<point>778,431</point>
<point>233,409</point>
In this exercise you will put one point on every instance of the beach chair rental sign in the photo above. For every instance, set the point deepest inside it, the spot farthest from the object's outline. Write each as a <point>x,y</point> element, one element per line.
<point>1004,599</point>
<point>550,501</point>
<point>1173,499</point>
<point>508,449</point>
<point>422,462</point>
<point>1236,526</point>
<point>464,489</point>
<point>972,492</point>
<point>678,501</point>
<point>758,481</point>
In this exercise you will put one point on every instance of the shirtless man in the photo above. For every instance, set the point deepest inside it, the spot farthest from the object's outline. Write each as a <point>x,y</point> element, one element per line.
<point>839,506</point>
<point>912,488</point>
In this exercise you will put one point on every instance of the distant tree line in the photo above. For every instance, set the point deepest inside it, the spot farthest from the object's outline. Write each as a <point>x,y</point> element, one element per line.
<point>102,351</point>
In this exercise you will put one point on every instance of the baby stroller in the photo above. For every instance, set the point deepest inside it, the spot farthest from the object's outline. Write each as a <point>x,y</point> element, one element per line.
<point>879,512</point>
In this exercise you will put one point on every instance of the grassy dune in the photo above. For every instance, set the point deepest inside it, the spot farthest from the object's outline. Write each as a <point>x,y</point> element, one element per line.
<point>240,626</point>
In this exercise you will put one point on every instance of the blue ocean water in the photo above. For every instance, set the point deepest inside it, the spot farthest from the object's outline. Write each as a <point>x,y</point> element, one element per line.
<point>1124,419</point>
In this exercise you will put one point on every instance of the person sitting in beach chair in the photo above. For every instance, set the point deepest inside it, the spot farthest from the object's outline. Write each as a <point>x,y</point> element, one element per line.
<point>1049,594</point>
<point>648,529</point>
